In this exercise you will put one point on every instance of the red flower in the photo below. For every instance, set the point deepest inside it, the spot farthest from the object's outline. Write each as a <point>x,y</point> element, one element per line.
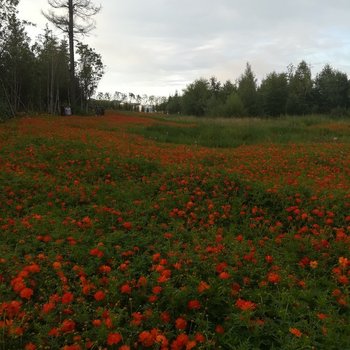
<point>194,305</point>
<point>125,289</point>
<point>203,286</point>
<point>127,225</point>
<point>67,326</point>
<point>296,332</point>
<point>48,307</point>
<point>30,346</point>
<point>99,295</point>
<point>219,329</point>
<point>146,339</point>
<point>180,323</point>
<point>224,275</point>
<point>273,277</point>
<point>343,279</point>
<point>67,298</point>
<point>113,338</point>
<point>245,305</point>
<point>165,317</point>
<point>96,323</point>
<point>26,293</point>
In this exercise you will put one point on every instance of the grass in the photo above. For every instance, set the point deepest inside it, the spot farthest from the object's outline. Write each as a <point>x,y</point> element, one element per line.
<point>111,241</point>
<point>227,133</point>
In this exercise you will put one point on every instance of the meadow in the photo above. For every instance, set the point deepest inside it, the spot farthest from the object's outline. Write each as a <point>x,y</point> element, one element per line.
<point>138,232</point>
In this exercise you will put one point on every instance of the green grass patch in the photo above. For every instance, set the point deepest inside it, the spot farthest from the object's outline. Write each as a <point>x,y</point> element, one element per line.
<point>223,133</point>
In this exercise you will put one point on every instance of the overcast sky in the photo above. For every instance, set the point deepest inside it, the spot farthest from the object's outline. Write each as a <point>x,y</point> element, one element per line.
<point>159,46</point>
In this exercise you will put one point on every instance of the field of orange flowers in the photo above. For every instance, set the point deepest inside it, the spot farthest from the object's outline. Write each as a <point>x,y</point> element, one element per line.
<point>112,241</point>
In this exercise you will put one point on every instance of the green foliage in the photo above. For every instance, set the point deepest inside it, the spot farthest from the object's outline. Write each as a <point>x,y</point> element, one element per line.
<point>273,93</point>
<point>331,89</point>
<point>236,132</point>
<point>247,90</point>
<point>195,98</point>
<point>300,90</point>
<point>221,249</point>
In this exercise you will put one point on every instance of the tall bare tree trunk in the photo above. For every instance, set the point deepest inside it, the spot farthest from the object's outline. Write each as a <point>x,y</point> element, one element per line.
<point>71,54</point>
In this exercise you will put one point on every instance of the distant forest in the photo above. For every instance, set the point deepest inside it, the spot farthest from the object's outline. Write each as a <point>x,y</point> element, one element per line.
<point>40,78</point>
<point>294,92</point>
<point>51,73</point>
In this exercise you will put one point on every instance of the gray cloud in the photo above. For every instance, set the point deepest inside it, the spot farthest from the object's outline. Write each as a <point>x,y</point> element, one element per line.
<point>158,46</point>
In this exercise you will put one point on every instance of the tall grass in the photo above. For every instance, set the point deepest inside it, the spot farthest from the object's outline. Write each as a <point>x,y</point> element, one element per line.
<point>235,132</point>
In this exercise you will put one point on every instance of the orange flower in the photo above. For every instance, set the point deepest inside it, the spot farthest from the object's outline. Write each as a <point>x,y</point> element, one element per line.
<point>96,323</point>
<point>113,338</point>
<point>313,264</point>
<point>224,275</point>
<point>203,286</point>
<point>180,323</point>
<point>146,339</point>
<point>343,279</point>
<point>245,305</point>
<point>343,262</point>
<point>296,332</point>
<point>273,277</point>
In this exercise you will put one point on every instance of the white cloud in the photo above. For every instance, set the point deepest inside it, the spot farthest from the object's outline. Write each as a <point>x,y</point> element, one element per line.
<point>158,46</point>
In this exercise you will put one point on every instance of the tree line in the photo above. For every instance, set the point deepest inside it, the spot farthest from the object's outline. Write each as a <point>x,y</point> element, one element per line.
<point>294,92</point>
<point>43,77</point>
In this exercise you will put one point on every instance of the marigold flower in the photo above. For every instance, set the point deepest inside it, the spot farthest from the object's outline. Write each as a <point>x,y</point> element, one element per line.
<point>99,295</point>
<point>48,307</point>
<point>146,339</point>
<point>96,323</point>
<point>199,337</point>
<point>273,277</point>
<point>56,265</point>
<point>72,347</point>
<point>124,347</point>
<point>54,332</point>
<point>165,317</point>
<point>142,282</point>
<point>224,275</point>
<point>67,298</point>
<point>313,264</point>
<point>296,332</point>
<point>26,293</point>
<point>269,259</point>
<point>219,329</point>
<point>180,323</point>
<point>127,225</point>
<point>343,279</point>
<point>194,305</point>
<point>157,289</point>
<point>343,262</point>
<point>114,338</point>
<point>104,269</point>
<point>180,341</point>
<point>30,346</point>
<point>203,286</point>
<point>67,326</point>
<point>125,289</point>
<point>322,316</point>
<point>245,305</point>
